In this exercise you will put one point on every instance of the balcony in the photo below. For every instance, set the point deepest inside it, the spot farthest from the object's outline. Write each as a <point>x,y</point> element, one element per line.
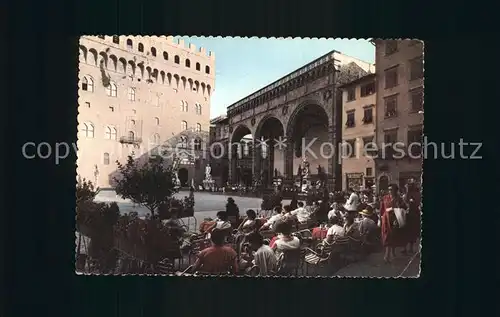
<point>130,140</point>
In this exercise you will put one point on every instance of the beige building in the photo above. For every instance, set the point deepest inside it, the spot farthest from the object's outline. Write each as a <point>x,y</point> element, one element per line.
<point>359,117</point>
<point>136,93</point>
<point>400,80</point>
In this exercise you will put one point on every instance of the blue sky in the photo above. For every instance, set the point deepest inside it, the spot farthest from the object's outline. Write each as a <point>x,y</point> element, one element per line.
<point>243,66</point>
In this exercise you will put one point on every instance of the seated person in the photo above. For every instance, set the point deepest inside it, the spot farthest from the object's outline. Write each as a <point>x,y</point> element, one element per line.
<point>278,214</point>
<point>218,258</point>
<point>301,213</point>
<point>334,211</point>
<point>367,227</point>
<point>249,224</point>
<point>263,257</point>
<point>284,247</point>
<point>173,224</point>
<point>206,224</point>
<point>221,223</point>
<point>285,240</point>
<point>351,228</point>
<point>335,231</point>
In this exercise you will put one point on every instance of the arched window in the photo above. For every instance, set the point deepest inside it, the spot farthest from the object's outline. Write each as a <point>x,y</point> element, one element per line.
<point>157,121</point>
<point>131,94</point>
<point>116,39</point>
<point>132,122</point>
<point>184,125</point>
<point>106,159</point>
<point>177,59</point>
<point>198,66</point>
<point>111,89</point>
<point>184,141</point>
<point>264,148</point>
<point>110,133</point>
<point>87,83</point>
<point>153,51</point>
<point>165,56</point>
<point>184,106</point>
<point>197,144</point>
<point>129,44</point>
<point>188,63</point>
<point>141,47</point>
<point>198,127</point>
<point>156,139</point>
<point>88,130</point>
<point>131,135</point>
<point>198,109</point>
<point>207,69</point>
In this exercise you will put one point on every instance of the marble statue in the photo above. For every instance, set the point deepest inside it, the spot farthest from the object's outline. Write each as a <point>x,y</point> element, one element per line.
<point>208,172</point>
<point>305,169</point>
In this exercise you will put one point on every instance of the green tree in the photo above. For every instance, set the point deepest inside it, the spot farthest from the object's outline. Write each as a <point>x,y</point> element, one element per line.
<point>150,185</point>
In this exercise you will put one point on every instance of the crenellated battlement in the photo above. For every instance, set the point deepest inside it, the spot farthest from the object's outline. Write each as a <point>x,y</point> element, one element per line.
<point>160,43</point>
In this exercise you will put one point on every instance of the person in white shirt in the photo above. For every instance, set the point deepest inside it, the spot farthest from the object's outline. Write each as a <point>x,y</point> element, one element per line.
<point>352,203</point>
<point>221,223</point>
<point>335,231</point>
<point>334,212</point>
<point>278,214</point>
<point>263,257</point>
<point>301,213</point>
<point>285,247</point>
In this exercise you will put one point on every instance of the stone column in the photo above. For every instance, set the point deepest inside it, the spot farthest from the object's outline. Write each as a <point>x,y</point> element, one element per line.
<point>288,158</point>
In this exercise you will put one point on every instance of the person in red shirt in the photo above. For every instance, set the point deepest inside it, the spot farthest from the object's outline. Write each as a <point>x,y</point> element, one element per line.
<point>218,258</point>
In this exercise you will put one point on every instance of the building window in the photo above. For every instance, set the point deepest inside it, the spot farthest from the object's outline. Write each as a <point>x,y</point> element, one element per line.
<point>390,136</point>
<point>88,130</point>
<point>367,140</point>
<point>368,89</point>
<point>391,47</point>
<point>391,106</point>
<point>153,51</point>
<point>129,44</point>
<point>414,138</point>
<point>391,77</point>
<point>369,171</point>
<point>184,126</point>
<point>351,94</point>
<point>134,111</point>
<point>87,104</point>
<point>198,127</point>
<point>131,94</point>
<point>207,69</point>
<point>156,139</point>
<point>184,142</point>
<point>110,133</point>
<point>141,47</point>
<point>184,106</point>
<point>197,144</point>
<point>157,121</point>
<point>368,115</point>
<point>87,84</point>
<point>198,66</point>
<point>131,135</point>
<point>106,159</point>
<point>417,99</point>
<point>111,89</point>
<point>112,109</point>
<point>351,148</point>
<point>116,39</point>
<point>165,56</point>
<point>350,120</point>
<point>417,68</point>
<point>188,63</point>
<point>198,109</point>
<point>177,60</point>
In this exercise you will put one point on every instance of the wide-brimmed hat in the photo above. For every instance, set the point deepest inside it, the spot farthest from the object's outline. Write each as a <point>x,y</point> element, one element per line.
<point>366,212</point>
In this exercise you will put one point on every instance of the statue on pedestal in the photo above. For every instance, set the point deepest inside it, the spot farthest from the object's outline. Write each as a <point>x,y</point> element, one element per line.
<point>305,170</point>
<point>299,171</point>
<point>208,172</point>
<point>275,172</point>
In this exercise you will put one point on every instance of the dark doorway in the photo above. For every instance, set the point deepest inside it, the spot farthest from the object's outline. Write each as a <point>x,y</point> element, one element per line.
<point>383,183</point>
<point>183,176</point>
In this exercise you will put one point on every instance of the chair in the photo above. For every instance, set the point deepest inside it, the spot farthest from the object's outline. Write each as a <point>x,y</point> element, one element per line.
<point>305,236</point>
<point>325,253</point>
<point>289,261</point>
<point>164,267</point>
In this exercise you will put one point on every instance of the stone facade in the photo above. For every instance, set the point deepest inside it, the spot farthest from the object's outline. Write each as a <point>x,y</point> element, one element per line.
<point>359,117</point>
<point>136,93</point>
<point>302,108</point>
<point>400,83</point>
